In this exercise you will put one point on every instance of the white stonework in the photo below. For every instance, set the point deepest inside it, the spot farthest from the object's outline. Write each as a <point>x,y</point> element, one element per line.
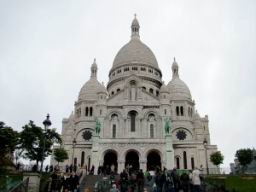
<point>132,109</point>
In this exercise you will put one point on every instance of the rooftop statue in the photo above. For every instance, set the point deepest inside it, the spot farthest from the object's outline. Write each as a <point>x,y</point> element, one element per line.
<point>167,126</point>
<point>98,126</point>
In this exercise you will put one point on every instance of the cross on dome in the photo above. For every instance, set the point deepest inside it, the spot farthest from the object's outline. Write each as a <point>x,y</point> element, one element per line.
<point>175,69</point>
<point>135,27</point>
<point>94,69</point>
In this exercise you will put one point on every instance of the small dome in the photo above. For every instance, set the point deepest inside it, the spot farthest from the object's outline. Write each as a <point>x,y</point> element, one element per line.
<point>164,89</point>
<point>90,89</point>
<point>178,89</point>
<point>135,52</point>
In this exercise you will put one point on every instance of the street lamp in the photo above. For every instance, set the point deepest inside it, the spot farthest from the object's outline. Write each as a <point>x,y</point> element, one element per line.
<point>206,158</point>
<point>74,143</point>
<point>47,123</point>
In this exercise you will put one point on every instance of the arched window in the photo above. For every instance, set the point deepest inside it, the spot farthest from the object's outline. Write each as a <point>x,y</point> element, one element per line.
<point>112,93</point>
<point>82,159</point>
<point>151,91</point>
<point>181,110</point>
<point>118,90</point>
<point>86,111</point>
<point>185,160</point>
<point>75,161</point>
<point>177,162</point>
<point>157,93</point>
<point>114,131</point>
<point>151,131</point>
<point>132,115</point>
<point>165,111</point>
<point>192,163</point>
<point>144,88</point>
<point>177,111</point>
<point>100,112</point>
<point>91,111</point>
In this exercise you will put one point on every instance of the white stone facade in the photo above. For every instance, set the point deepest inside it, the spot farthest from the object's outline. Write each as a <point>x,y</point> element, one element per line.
<point>132,110</point>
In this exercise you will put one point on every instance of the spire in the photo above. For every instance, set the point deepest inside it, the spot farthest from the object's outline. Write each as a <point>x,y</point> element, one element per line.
<point>175,69</point>
<point>135,28</point>
<point>94,69</point>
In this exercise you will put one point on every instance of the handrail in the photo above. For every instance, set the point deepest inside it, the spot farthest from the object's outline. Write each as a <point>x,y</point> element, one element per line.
<point>23,183</point>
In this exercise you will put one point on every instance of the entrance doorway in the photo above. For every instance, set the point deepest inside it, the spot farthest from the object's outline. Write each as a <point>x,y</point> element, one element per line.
<point>153,160</point>
<point>110,159</point>
<point>132,159</point>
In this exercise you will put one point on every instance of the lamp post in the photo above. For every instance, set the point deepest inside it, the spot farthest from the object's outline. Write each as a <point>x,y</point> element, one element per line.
<point>206,158</point>
<point>74,143</point>
<point>47,123</point>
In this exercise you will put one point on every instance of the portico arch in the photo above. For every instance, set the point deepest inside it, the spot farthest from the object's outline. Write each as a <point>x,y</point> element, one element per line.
<point>110,159</point>
<point>153,159</point>
<point>132,159</point>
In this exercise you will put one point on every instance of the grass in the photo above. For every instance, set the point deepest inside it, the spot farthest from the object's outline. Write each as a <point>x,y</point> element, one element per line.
<point>233,183</point>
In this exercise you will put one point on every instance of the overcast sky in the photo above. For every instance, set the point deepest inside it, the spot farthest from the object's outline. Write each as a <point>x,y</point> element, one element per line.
<point>47,47</point>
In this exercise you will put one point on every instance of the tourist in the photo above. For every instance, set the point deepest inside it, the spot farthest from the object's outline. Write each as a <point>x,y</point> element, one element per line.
<point>184,181</point>
<point>92,170</point>
<point>112,168</point>
<point>67,168</point>
<point>73,182</point>
<point>140,180</point>
<point>124,181</point>
<point>55,182</point>
<point>71,168</point>
<point>176,179</point>
<point>196,180</point>
<point>86,170</point>
<point>114,188</point>
<point>159,180</point>
<point>51,168</point>
<point>169,184</point>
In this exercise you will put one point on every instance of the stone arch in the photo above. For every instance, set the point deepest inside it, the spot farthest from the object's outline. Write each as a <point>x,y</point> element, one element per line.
<point>177,128</point>
<point>177,160</point>
<point>79,134</point>
<point>154,150</point>
<point>154,159</point>
<point>148,112</point>
<point>112,112</point>
<point>132,159</point>
<point>110,157</point>
<point>132,116</point>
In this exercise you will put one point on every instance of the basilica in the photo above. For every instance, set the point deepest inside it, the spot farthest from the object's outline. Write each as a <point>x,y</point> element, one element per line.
<point>124,123</point>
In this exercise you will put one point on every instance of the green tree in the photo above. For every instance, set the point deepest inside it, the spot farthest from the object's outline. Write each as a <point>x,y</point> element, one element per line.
<point>60,154</point>
<point>9,139</point>
<point>245,157</point>
<point>217,158</point>
<point>33,139</point>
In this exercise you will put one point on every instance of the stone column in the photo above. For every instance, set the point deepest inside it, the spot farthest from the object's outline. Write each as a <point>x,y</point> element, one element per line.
<point>34,181</point>
<point>143,164</point>
<point>95,153</point>
<point>120,165</point>
<point>169,152</point>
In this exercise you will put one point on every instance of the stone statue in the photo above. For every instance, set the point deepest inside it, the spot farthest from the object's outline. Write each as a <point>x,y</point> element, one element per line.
<point>167,126</point>
<point>97,127</point>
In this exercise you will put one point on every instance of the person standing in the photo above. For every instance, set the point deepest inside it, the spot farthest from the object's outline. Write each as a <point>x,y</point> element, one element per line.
<point>184,180</point>
<point>73,182</point>
<point>124,181</point>
<point>140,181</point>
<point>196,180</point>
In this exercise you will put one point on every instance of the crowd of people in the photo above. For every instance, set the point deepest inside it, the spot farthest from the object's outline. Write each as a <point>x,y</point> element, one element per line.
<point>129,180</point>
<point>66,182</point>
<point>155,180</point>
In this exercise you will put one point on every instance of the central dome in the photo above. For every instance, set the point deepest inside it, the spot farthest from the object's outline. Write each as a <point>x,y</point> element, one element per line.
<point>135,52</point>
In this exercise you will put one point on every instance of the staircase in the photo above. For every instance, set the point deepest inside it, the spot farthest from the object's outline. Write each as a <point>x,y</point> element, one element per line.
<point>88,182</point>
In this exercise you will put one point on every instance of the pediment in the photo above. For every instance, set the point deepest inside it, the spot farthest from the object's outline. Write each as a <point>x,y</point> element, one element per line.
<point>142,98</point>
